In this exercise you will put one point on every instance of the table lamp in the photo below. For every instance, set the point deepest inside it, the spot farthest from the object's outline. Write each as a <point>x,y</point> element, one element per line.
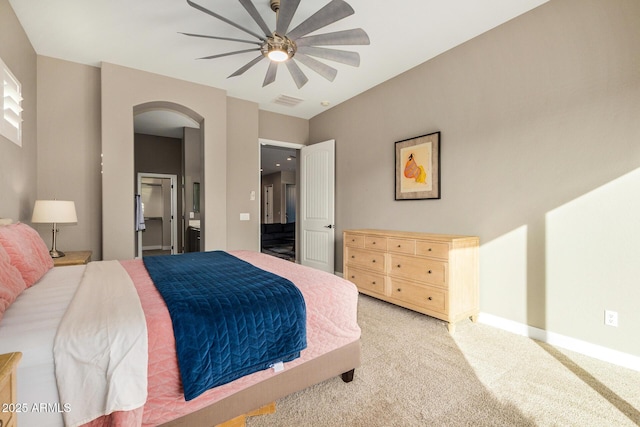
<point>55,212</point>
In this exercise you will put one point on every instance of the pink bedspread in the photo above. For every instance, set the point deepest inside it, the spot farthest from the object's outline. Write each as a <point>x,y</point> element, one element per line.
<point>331,323</point>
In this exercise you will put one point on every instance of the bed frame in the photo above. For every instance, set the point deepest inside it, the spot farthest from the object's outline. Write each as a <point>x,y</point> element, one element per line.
<point>341,361</point>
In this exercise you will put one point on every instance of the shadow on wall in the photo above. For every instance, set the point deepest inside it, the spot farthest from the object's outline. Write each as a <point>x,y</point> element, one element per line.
<point>589,250</point>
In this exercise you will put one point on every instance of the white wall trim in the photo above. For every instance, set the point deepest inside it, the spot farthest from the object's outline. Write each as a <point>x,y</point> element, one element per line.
<point>284,144</point>
<point>588,349</point>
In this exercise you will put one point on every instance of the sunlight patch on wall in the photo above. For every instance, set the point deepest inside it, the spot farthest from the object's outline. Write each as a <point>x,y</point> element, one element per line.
<point>503,275</point>
<point>592,262</point>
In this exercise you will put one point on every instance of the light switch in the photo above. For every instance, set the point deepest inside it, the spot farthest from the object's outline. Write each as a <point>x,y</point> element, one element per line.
<point>245,217</point>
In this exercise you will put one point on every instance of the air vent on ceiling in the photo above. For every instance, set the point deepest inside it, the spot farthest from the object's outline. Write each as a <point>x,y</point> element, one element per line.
<point>287,101</point>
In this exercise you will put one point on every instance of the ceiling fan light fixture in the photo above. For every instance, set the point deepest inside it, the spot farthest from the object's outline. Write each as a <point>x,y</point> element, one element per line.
<point>278,55</point>
<point>278,49</point>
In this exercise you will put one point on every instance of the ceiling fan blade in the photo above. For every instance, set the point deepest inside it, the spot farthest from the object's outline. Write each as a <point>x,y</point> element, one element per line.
<point>270,77</point>
<point>285,15</point>
<point>344,57</point>
<point>356,36</point>
<point>236,52</point>
<point>247,66</point>
<point>324,70</point>
<point>222,38</point>
<point>332,12</point>
<point>248,4</point>
<point>296,73</point>
<point>223,19</point>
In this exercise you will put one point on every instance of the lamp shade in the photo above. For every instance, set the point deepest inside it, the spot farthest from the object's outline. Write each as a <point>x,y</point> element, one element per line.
<point>54,211</point>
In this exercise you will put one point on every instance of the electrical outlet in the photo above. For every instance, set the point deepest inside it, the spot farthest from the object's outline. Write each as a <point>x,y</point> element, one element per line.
<point>611,318</point>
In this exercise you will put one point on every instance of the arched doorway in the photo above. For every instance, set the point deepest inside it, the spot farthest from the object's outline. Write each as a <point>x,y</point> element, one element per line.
<point>168,141</point>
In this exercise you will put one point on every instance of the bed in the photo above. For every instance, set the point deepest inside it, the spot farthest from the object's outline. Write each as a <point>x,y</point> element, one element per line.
<point>30,322</point>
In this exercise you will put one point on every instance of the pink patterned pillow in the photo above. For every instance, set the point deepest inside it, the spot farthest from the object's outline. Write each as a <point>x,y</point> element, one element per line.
<point>27,251</point>
<point>11,282</point>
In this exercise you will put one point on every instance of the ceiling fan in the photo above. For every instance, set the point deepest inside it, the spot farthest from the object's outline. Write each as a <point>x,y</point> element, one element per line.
<point>282,45</point>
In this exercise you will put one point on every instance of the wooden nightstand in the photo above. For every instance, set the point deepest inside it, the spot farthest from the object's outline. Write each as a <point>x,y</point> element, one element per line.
<point>73,258</point>
<point>8,367</point>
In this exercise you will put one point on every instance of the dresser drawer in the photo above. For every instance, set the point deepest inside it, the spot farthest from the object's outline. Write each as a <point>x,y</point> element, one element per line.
<point>367,259</point>
<point>432,249</point>
<point>420,269</point>
<point>402,246</point>
<point>354,240</point>
<point>423,296</point>
<point>375,242</point>
<point>366,280</point>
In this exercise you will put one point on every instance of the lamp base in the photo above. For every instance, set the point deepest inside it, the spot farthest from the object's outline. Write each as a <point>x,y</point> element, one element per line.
<point>56,254</point>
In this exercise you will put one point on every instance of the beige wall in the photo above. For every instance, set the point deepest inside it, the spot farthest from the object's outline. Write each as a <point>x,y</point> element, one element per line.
<point>279,127</point>
<point>69,149</point>
<point>245,124</point>
<point>242,174</point>
<point>122,90</point>
<point>540,159</point>
<point>18,164</point>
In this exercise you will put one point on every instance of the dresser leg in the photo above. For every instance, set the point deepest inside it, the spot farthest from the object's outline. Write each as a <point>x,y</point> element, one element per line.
<point>451,327</point>
<point>474,318</point>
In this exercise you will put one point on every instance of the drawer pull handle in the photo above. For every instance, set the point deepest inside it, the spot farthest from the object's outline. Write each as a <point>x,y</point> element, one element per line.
<point>398,265</point>
<point>430,299</point>
<point>399,289</point>
<point>399,246</point>
<point>353,256</point>
<point>429,250</point>
<point>353,277</point>
<point>429,271</point>
<point>373,260</point>
<point>373,283</point>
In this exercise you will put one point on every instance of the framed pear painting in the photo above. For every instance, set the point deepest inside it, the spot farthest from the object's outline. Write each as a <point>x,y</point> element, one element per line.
<point>418,168</point>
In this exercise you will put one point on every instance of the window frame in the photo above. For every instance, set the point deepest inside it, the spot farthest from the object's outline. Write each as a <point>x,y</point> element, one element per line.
<point>11,102</point>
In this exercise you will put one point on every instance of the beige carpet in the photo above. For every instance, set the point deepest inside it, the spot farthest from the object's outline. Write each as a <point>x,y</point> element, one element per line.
<point>414,373</point>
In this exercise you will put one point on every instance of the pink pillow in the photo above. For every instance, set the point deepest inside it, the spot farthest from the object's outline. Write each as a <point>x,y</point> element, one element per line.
<point>11,282</point>
<point>27,251</point>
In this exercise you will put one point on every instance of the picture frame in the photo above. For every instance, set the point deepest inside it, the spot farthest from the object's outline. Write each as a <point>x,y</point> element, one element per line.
<point>418,167</point>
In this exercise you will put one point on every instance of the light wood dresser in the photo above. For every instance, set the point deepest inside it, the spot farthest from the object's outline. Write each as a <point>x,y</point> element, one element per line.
<point>8,367</point>
<point>434,274</point>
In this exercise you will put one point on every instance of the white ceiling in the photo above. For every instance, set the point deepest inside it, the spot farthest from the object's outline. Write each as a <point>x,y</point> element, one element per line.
<point>144,34</point>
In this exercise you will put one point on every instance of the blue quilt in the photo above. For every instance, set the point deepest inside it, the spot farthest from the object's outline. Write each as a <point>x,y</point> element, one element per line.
<point>229,317</point>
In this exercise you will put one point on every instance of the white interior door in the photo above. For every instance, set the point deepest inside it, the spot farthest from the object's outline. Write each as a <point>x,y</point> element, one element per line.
<point>317,204</point>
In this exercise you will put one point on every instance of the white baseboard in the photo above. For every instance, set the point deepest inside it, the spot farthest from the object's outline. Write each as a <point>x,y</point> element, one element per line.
<point>588,349</point>
<point>152,248</point>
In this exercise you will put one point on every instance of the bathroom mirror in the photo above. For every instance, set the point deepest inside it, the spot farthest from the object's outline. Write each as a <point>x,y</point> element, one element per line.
<point>196,197</point>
